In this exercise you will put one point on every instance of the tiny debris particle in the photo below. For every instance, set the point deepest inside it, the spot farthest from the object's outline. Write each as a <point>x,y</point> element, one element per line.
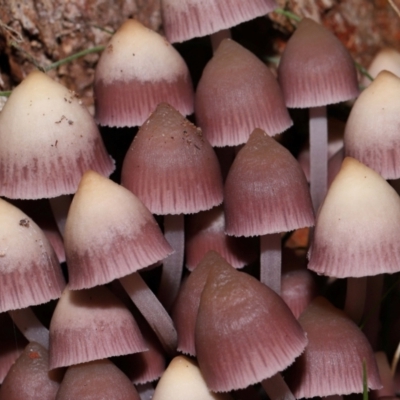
<point>70,122</point>
<point>34,355</point>
<point>61,119</point>
<point>24,222</point>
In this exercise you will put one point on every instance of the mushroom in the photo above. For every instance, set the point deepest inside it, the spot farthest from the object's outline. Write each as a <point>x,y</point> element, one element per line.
<point>266,193</point>
<point>138,70</point>
<point>173,169</point>
<point>91,324</point>
<point>316,70</point>
<point>96,380</point>
<point>29,378</point>
<point>111,235</point>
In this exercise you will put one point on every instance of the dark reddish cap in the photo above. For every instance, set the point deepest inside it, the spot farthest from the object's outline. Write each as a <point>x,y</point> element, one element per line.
<point>236,94</point>
<point>171,167</point>
<point>316,69</point>
<point>266,190</point>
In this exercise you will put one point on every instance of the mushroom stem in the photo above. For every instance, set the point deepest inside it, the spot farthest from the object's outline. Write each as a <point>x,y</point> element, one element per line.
<point>355,298</point>
<point>318,155</point>
<point>152,310</point>
<point>30,326</point>
<point>146,391</point>
<point>271,261</point>
<point>174,232</point>
<point>276,388</point>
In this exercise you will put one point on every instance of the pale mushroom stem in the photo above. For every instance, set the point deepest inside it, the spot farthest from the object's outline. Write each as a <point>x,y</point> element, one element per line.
<point>318,155</point>
<point>174,232</point>
<point>276,388</point>
<point>146,391</point>
<point>271,261</point>
<point>152,310</point>
<point>30,326</point>
<point>355,298</point>
<point>218,37</point>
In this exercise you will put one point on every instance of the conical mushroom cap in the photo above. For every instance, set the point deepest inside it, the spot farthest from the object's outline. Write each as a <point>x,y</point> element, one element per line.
<point>239,331</point>
<point>237,93</point>
<point>96,380</point>
<point>298,289</point>
<point>372,135</point>
<point>187,303</point>
<point>315,68</point>
<point>47,141</point>
<point>109,234</point>
<point>29,378</point>
<point>186,19</point>
<point>251,206</point>
<point>183,380</point>
<point>336,349</point>
<point>386,59</point>
<point>29,270</point>
<point>138,70</point>
<point>363,210</point>
<point>90,325</point>
<point>171,167</point>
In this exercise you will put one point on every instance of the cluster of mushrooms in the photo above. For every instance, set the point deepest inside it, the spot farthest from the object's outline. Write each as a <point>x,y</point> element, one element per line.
<point>221,198</point>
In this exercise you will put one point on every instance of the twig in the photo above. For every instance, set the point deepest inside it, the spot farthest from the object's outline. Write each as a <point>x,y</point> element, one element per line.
<point>288,14</point>
<point>16,35</point>
<point>110,32</point>
<point>365,381</point>
<point>395,8</point>
<point>96,49</point>
<point>363,71</point>
<point>28,55</point>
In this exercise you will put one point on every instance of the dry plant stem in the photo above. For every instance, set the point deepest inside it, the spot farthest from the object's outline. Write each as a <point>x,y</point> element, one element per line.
<point>318,155</point>
<point>217,37</point>
<point>395,360</point>
<point>29,325</point>
<point>355,298</point>
<point>146,391</point>
<point>276,388</point>
<point>174,232</point>
<point>152,310</point>
<point>271,261</point>
<point>60,206</point>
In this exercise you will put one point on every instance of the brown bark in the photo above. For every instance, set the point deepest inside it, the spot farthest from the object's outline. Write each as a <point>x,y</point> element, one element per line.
<point>50,30</point>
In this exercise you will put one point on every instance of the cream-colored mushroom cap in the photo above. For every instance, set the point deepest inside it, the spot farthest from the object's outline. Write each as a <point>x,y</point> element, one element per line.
<point>47,141</point>
<point>357,228</point>
<point>183,380</point>
<point>372,133</point>
<point>137,52</point>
